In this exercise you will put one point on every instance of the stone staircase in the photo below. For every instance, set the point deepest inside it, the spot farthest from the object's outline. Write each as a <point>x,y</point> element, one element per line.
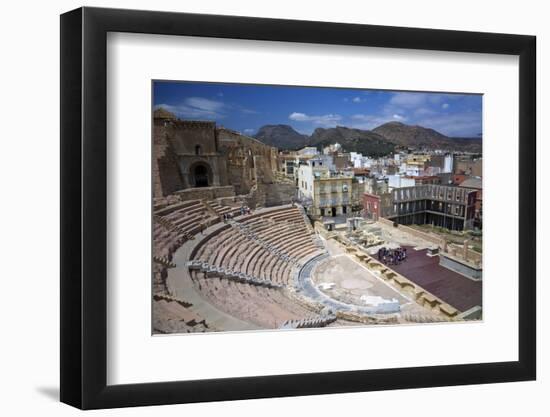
<point>246,231</point>
<point>422,318</point>
<point>167,224</point>
<point>318,242</point>
<point>164,261</point>
<point>309,323</point>
<point>219,210</point>
<point>212,270</point>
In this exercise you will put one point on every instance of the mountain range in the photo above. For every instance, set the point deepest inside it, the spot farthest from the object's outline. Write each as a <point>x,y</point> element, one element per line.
<point>352,140</point>
<point>281,136</point>
<point>377,142</point>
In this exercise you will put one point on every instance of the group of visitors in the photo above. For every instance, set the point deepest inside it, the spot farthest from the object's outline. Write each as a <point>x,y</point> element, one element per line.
<point>392,256</point>
<point>245,210</point>
<point>227,216</point>
<point>242,211</point>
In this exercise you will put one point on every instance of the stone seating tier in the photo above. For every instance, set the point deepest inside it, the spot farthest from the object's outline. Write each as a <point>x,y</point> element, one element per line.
<point>178,207</point>
<point>265,307</point>
<point>170,316</point>
<point>245,265</point>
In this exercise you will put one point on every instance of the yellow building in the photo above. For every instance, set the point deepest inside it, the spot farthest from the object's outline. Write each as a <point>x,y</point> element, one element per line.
<point>323,192</point>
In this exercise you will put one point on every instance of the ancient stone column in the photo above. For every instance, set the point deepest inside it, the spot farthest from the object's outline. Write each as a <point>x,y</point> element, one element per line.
<point>465,250</point>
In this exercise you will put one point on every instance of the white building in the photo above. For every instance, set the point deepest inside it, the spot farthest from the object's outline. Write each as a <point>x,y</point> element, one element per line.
<point>327,193</point>
<point>357,159</point>
<point>308,150</point>
<point>448,163</point>
<point>336,147</point>
<point>305,181</point>
<point>399,181</point>
<point>368,162</point>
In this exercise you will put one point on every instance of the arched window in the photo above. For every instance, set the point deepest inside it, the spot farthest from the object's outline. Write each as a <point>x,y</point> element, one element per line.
<point>198,150</point>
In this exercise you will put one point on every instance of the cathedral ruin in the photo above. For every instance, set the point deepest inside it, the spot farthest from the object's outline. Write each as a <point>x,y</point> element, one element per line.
<point>214,162</point>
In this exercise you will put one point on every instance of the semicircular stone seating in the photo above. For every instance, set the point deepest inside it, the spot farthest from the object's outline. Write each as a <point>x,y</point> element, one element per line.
<point>174,223</point>
<point>244,267</point>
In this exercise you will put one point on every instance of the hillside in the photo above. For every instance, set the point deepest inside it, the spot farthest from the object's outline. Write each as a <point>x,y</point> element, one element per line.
<point>352,140</point>
<point>421,137</point>
<point>377,142</point>
<point>281,136</point>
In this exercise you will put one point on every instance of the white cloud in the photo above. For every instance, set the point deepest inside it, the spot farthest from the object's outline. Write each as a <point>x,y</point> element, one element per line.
<point>204,104</point>
<point>186,112</point>
<point>456,124</point>
<point>204,108</point>
<point>196,108</point>
<point>412,100</point>
<point>247,111</point>
<point>408,100</point>
<point>357,100</point>
<point>369,121</point>
<point>249,131</point>
<point>424,111</point>
<point>323,120</point>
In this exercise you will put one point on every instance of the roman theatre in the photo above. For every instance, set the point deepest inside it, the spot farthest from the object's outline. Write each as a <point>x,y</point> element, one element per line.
<point>233,250</point>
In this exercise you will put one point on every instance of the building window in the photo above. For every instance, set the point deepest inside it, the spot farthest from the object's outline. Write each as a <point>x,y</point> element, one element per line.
<point>198,150</point>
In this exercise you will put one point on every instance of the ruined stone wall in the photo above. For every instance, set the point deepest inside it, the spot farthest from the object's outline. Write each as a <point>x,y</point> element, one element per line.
<point>248,160</point>
<point>216,166</point>
<point>414,232</point>
<point>193,137</point>
<point>279,193</point>
<point>179,148</point>
<point>197,154</point>
<point>275,161</point>
<point>451,248</point>
<point>206,193</point>
<point>166,174</point>
<point>469,167</point>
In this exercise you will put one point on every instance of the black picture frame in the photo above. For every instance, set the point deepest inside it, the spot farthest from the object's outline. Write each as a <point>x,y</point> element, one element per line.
<point>84,207</point>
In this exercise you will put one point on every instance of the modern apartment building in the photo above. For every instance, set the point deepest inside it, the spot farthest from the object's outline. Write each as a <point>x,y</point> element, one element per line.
<point>440,205</point>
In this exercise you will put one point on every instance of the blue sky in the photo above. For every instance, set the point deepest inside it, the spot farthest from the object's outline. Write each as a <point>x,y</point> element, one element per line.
<point>246,108</point>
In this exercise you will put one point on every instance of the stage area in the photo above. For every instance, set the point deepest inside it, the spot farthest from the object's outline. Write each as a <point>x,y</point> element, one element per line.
<point>342,278</point>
